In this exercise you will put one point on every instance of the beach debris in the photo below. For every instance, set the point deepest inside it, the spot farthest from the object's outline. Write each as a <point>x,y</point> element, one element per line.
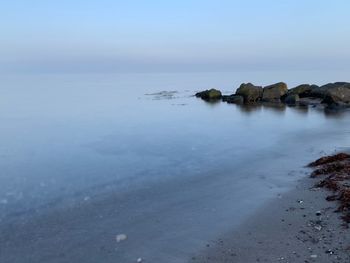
<point>335,171</point>
<point>121,237</point>
<point>139,260</point>
<point>330,159</point>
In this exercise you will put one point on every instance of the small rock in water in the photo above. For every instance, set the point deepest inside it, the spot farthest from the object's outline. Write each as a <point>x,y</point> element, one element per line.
<point>318,213</point>
<point>121,237</point>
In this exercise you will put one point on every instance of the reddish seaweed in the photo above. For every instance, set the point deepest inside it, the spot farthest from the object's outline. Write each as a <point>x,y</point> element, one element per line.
<point>335,173</point>
<point>330,159</point>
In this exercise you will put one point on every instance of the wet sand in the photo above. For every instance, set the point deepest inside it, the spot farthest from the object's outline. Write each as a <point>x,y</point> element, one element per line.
<point>300,226</point>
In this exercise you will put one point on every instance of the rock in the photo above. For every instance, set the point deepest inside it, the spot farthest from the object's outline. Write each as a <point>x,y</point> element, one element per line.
<point>318,213</point>
<point>310,101</point>
<point>233,99</point>
<point>318,227</point>
<point>249,92</point>
<point>274,92</point>
<point>292,99</point>
<point>209,95</point>
<point>303,90</point>
<point>321,92</point>
<point>139,260</point>
<point>337,94</point>
<point>329,251</point>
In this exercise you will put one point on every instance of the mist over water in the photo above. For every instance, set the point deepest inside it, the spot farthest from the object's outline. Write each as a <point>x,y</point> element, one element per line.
<point>166,163</point>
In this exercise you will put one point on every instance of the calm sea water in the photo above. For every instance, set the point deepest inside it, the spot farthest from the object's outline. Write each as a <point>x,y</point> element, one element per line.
<point>169,170</point>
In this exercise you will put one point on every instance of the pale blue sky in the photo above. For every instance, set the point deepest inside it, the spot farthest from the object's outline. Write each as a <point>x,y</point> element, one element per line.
<point>195,35</point>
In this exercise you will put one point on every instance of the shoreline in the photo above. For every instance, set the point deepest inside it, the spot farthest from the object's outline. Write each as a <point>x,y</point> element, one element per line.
<point>299,226</point>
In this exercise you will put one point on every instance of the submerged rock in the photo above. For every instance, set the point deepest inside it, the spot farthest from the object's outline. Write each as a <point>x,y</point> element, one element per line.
<point>233,99</point>
<point>274,92</point>
<point>209,95</point>
<point>249,92</point>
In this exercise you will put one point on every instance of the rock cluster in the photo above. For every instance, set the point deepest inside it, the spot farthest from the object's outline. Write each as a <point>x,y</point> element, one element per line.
<point>332,95</point>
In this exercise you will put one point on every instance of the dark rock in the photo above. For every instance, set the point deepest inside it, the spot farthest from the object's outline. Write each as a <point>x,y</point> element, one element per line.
<point>292,99</point>
<point>249,92</point>
<point>310,101</point>
<point>321,92</point>
<point>233,99</point>
<point>303,90</point>
<point>274,92</point>
<point>209,95</point>
<point>337,94</point>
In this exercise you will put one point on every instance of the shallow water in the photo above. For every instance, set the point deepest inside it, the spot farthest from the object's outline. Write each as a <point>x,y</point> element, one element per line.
<point>87,157</point>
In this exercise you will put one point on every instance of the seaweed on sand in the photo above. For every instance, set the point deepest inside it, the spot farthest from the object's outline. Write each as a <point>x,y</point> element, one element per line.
<point>335,173</point>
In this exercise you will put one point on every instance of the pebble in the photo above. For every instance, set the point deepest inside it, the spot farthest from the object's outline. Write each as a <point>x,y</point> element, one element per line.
<point>313,256</point>
<point>139,260</point>
<point>318,227</point>
<point>121,237</point>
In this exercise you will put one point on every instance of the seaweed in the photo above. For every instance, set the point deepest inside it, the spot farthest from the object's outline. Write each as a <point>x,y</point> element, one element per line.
<point>335,173</point>
<point>330,159</point>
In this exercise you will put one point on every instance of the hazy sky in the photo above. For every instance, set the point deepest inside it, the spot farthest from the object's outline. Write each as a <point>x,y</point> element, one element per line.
<point>151,35</point>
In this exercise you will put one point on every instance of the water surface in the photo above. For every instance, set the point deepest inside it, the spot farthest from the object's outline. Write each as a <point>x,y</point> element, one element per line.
<point>87,157</point>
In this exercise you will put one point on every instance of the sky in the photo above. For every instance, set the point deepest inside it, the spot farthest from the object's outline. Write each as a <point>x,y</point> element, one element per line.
<point>181,35</point>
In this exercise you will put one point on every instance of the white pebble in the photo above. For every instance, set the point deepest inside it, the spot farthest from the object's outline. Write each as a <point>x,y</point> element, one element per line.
<point>121,237</point>
<point>139,260</point>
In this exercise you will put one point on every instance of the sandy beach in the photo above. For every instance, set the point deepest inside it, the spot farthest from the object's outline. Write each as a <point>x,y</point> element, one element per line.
<point>299,226</point>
